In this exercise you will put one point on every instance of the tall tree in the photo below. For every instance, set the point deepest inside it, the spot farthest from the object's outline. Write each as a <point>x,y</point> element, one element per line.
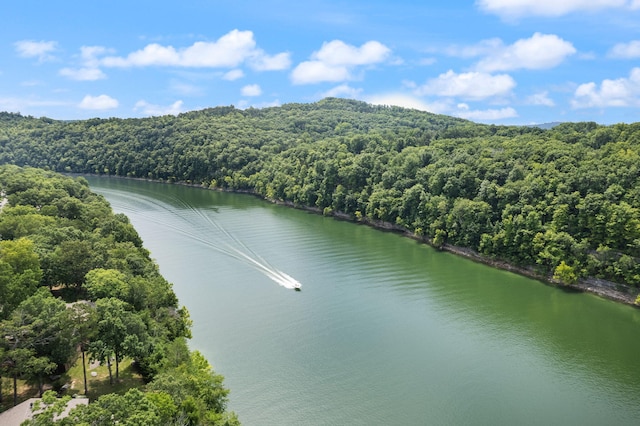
<point>84,324</point>
<point>120,332</point>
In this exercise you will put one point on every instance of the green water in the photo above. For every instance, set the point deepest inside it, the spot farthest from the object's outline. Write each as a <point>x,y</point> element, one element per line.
<point>385,331</point>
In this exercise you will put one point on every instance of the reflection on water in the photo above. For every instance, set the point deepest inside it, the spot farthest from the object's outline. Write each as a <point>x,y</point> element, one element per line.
<point>386,331</point>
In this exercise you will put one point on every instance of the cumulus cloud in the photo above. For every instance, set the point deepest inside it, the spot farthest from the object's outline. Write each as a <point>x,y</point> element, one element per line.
<point>337,52</point>
<point>541,51</point>
<point>229,51</point>
<point>343,90</point>
<point>90,54</point>
<point>36,49</point>
<point>260,61</point>
<point>510,9</point>
<point>89,69</point>
<point>100,102</point>
<point>471,85</point>
<point>251,90</point>
<point>233,75</point>
<point>316,72</point>
<point>336,60</point>
<point>622,92</point>
<point>156,110</point>
<point>445,106</point>
<point>629,50</point>
<point>541,98</point>
<point>83,74</point>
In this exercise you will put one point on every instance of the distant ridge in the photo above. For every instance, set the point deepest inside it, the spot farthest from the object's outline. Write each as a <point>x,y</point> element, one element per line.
<point>545,126</point>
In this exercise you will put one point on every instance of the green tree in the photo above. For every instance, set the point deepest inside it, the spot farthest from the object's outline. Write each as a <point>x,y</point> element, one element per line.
<point>72,260</point>
<point>565,274</point>
<point>20,273</point>
<point>120,332</point>
<point>101,283</point>
<point>196,390</point>
<point>84,325</point>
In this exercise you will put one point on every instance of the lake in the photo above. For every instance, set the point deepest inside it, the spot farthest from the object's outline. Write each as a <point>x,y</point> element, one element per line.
<point>386,331</point>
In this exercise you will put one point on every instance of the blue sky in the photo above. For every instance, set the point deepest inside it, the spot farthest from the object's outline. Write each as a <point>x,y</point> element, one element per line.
<point>491,61</point>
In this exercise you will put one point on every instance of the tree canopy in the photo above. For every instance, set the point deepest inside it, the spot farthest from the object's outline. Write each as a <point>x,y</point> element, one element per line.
<point>57,238</point>
<point>530,196</point>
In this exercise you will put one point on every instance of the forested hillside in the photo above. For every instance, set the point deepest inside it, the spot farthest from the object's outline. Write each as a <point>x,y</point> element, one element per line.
<point>56,235</point>
<point>565,200</point>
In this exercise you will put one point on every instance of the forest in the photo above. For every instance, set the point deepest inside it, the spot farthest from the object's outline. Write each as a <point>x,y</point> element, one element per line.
<point>77,283</point>
<point>563,202</point>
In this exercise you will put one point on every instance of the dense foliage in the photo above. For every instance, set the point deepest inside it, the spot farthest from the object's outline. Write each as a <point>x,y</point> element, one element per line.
<point>55,234</point>
<point>564,201</point>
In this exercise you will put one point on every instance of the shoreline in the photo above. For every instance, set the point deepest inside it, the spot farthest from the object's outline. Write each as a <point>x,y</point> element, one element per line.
<point>616,292</point>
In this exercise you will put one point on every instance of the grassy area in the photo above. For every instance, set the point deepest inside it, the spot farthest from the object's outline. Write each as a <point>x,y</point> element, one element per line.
<point>99,385</point>
<point>24,392</point>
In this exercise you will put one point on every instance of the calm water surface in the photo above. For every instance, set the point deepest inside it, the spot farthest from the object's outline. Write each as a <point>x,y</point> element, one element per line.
<point>385,331</point>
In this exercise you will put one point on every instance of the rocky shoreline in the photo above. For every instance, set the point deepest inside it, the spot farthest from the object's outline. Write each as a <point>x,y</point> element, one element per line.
<point>609,290</point>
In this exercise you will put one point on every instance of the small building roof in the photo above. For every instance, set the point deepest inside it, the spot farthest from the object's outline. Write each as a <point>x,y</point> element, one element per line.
<point>21,412</point>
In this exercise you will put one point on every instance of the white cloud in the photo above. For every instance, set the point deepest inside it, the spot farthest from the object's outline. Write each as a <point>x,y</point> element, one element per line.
<point>36,49</point>
<point>316,72</point>
<point>339,53</point>
<point>541,98</point>
<point>233,75</point>
<point>89,55</point>
<point>336,60</point>
<point>251,90</point>
<point>98,102</point>
<point>24,104</point>
<point>83,74</point>
<point>510,9</point>
<point>263,62</point>
<point>482,48</point>
<point>156,110</point>
<point>471,85</point>
<point>621,92</point>
<point>629,50</point>
<point>447,107</point>
<point>343,90</point>
<point>541,51</point>
<point>229,51</point>
<point>89,69</point>
<point>484,115</point>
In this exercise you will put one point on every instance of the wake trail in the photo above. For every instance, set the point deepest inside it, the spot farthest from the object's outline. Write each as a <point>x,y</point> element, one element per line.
<point>232,247</point>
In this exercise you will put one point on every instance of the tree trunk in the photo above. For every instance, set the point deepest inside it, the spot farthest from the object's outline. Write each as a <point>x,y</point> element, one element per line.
<point>84,371</point>
<point>1,400</point>
<point>117,367</point>
<point>15,390</point>
<point>109,367</point>
<point>40,385</point>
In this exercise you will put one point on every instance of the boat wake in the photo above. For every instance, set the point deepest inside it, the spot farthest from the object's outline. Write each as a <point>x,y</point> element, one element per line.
<point>210,234</point>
